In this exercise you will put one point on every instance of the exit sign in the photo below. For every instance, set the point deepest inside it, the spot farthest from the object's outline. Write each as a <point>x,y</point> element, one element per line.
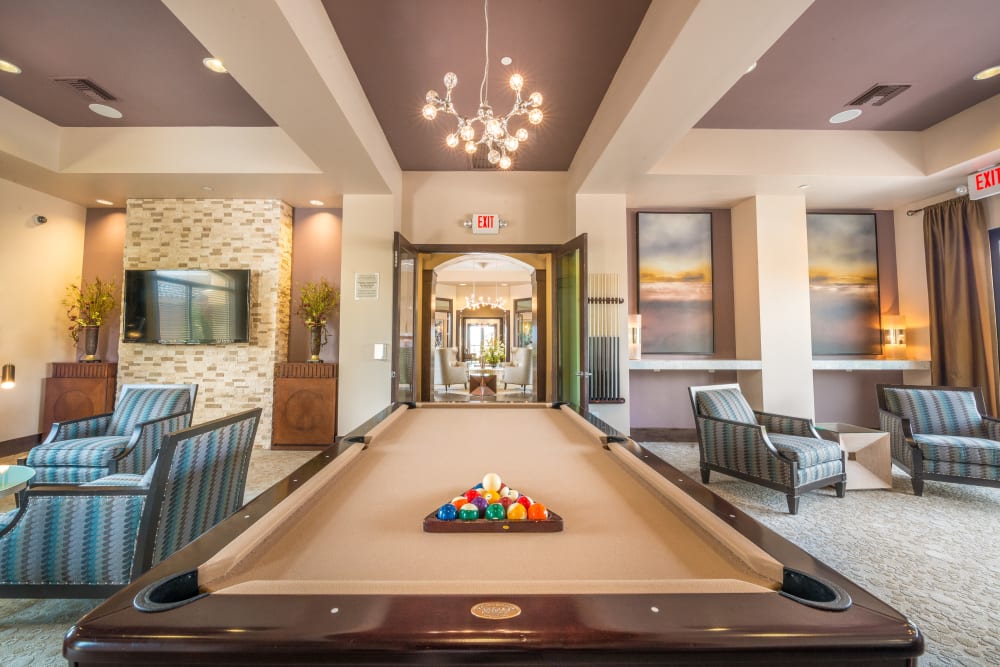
<point>985,183</point>
<point>485,223</point>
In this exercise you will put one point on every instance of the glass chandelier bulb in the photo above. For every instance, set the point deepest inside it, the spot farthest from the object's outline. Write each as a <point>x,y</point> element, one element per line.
<point>493,156</point>
<point>451,140</point>
<point>522,135</point>
<point>431,95</point>
<point>505,162</point>
<point>511,143</point>
<point>535,116</point>
<point>494,128</point>
<point>467,133</point>
<point>450,80</point>
<point>470,147</point>
<point>535,99</point>
<point>429,111</point>
<point>517,82</point>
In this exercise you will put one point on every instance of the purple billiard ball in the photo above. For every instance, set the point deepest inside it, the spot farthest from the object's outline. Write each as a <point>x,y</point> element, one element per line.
<point>481,504</point>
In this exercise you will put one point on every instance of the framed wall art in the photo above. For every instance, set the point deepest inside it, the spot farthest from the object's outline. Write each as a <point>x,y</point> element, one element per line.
<point>675,282</point>
<point>843,284</point>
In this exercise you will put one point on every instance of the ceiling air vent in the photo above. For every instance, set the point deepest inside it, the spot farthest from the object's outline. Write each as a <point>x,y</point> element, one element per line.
<point>86,87</point>
<point>878,94</point>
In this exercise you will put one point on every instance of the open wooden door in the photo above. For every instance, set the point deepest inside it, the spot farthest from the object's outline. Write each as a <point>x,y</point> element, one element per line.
<point>404,315</point>
<point>570,262</point>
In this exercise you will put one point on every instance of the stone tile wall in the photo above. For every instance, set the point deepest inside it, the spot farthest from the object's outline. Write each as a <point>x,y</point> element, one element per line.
<point>217,234</point>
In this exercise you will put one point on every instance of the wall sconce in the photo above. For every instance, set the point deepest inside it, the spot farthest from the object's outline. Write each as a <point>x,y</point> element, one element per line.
<point>7,380</point>
<point>635,336</point>
<point>894,336</point>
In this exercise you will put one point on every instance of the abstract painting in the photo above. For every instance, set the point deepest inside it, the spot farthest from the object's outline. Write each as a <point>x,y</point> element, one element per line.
<point>843,284</point>
<point>675,283</point>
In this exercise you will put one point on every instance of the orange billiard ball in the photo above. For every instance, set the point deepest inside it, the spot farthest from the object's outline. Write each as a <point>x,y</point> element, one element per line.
<point>537,512</point>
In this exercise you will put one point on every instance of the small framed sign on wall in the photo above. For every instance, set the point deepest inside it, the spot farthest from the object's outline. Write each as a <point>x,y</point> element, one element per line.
<point>365,286</point>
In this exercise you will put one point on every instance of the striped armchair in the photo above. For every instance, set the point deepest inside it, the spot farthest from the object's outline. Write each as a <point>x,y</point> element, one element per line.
<point>91,539</point>
<point>125,440</point>
<point>776,451</point>
<point>940,433</point>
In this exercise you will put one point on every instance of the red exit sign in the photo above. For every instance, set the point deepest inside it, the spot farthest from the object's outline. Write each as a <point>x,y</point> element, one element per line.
<point>485,223</point>
<point>985,183</point>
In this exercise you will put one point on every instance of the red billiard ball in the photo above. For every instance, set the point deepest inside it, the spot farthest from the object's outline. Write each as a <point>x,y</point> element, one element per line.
<point>525,500</point>
<point>471,494</point>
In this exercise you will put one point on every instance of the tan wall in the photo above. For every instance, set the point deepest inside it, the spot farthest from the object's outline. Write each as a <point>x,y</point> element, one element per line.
<point>217,234</point>
<point>316,250</point>
<point>103,246</point>
<point>37,262</point>
<point>534,203</point>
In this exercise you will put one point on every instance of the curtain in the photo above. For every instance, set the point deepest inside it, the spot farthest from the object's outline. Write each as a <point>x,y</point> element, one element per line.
<point>960,290</point>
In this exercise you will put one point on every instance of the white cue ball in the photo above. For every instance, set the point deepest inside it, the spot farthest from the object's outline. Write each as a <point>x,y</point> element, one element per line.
<point>512,494</point>
<point>491,481</point>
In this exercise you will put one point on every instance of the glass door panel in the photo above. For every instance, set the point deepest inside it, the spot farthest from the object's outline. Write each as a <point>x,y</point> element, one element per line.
<point>571,322</point>
<point>404,319</point>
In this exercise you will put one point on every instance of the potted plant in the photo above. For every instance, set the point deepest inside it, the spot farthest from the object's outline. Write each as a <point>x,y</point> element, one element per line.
<point>317,301</point>
<point>87,305</point>
<point>494,352</point>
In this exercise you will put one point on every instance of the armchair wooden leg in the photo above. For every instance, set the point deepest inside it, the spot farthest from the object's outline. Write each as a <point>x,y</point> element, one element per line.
<point>793,503</point>
<point>840,487</point>
<point>704,475</point>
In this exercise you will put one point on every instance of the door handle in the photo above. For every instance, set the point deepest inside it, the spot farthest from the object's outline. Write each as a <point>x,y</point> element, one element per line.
<point>584,374</point>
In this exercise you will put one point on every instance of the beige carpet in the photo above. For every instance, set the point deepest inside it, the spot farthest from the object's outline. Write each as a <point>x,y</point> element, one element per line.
<point>935,558</point>
<point>31,631</point>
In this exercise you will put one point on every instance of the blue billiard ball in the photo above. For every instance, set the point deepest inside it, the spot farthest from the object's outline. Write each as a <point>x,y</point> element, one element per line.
<point>447,512</point>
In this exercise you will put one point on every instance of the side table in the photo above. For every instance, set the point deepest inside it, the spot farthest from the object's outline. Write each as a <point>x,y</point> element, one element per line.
<point>869,460</point>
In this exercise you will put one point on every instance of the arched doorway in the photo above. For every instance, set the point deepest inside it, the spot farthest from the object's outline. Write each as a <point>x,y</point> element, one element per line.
<point>485,320</point>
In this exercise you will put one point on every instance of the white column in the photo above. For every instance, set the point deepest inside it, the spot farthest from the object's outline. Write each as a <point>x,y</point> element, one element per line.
<point>771,289</point>
<point>602,219</point>
<point>364,386</point>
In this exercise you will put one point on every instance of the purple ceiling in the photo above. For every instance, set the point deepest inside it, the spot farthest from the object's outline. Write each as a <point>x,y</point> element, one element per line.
<point>568,50</point>
<point>838,49</point>
<point>134,49</point>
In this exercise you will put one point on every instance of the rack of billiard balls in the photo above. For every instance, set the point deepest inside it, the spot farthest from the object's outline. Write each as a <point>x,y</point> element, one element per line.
<point>492,506</point>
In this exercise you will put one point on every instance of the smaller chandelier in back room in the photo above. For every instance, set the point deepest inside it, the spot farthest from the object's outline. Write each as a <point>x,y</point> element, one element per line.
<point>498,137</point>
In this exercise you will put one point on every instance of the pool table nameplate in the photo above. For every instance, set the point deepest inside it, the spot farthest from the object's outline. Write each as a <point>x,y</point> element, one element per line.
<point>495,611</point>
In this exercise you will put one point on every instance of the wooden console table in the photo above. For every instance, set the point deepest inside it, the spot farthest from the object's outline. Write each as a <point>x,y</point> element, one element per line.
<point>305,404</point>
<point>77,390</point>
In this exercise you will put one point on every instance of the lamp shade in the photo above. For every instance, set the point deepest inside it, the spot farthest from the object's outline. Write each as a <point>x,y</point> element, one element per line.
<point>635,336</point>
<point>7,380</point>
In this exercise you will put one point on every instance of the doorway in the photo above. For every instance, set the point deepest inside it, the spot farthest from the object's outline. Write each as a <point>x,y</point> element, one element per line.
<point>483,292</point>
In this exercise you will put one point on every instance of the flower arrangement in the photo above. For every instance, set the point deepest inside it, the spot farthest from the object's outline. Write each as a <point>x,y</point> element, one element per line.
<point>494,352</point>
<point>87,304</point>
<point>317,301</point>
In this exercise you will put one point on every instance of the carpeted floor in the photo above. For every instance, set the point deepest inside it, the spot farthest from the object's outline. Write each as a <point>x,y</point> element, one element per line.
<point>935,558</point>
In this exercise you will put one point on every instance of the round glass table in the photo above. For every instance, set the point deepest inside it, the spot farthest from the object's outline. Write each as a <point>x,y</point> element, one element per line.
<point>14,478</point>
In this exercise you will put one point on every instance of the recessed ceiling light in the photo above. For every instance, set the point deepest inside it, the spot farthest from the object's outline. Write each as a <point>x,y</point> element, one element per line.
<point>215,65</point>
<point>463,284</point>
<point>315,202</point>
<point>804,186</point>
<point>844,116</point>
<point>9,67</point>
<point>987,73</point>
<point>506,60</point>
<point>751,68</point>
<point>105,202</point>
<point>207,188</point>
<point>105,110</point>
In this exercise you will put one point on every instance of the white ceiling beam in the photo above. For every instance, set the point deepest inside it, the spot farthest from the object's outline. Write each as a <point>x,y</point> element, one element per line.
<point>286,55</point>
<point>693,52</point>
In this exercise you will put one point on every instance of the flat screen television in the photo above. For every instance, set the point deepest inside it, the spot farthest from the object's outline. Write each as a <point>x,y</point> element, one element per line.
<point>186,306</point>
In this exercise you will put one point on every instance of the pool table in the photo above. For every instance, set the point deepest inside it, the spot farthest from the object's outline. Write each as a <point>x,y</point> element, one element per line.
<point>332,565</point>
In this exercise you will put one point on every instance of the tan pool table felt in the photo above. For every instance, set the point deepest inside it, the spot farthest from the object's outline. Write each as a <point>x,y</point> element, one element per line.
<point>356,527</point>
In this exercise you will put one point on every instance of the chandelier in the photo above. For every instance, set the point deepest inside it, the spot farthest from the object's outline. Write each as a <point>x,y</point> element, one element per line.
<point>474,301</point>
<point>498,138</point>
